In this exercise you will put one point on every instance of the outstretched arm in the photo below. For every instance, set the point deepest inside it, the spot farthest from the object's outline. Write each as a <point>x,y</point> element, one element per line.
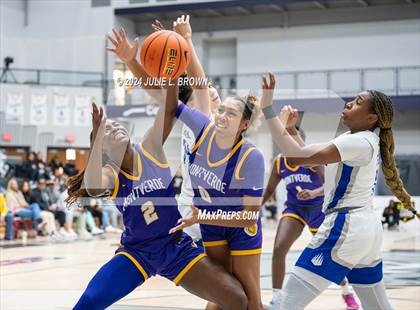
<point>97,179</point>
<point>156,136</point>
<point>127,54</point>
<point>273,181</point>
<point>313,154</point>
<point>195,70</point>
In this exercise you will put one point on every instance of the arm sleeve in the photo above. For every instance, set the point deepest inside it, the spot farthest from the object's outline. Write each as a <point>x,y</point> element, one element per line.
<point>193,118</point>
<point>253,172</point>
<point>354,149</point>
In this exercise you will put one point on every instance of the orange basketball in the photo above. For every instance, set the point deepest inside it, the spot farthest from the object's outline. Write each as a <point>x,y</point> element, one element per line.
<point>165,54</point>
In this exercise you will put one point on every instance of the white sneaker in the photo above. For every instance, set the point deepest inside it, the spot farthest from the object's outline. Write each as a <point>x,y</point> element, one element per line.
<point>63,233</point>
<point>97,231</point>
<point>109,229</point>
<point>72,234</point>
<point>275,302</point>
<point>118,231</point>
<point>85,235</point>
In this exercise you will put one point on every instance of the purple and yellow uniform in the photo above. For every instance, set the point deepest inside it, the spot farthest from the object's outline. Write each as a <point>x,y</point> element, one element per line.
<point>220,179</point>
<point>308,212</point>
<point>149,208</point>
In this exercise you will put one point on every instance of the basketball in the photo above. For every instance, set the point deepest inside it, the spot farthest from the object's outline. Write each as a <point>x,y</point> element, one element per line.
<point>165,54</point>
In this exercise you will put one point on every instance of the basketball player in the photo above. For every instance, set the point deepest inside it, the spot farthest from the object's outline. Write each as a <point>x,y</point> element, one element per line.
<point>227,174</point>
<point>348,242</point>
<point>303,207</point>
<point>203,97</point>
<point>142,189</point>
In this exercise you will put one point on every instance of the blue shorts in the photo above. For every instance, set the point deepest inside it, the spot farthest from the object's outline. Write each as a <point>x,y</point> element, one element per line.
<point>308,216</point>
<point>172,261</point>
<point>240,240</point>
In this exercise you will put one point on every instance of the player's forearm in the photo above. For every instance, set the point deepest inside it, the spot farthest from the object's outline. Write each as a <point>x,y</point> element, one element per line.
<point>195,69</point>
<point>92,180</point>
<point>319,191</point>
<point>294,134</point>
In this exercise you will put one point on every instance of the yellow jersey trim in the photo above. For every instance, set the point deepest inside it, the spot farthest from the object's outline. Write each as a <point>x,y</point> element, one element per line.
<point>290,167</point>
<point>215,243</point>
<point>139,170</point>
<point>153,159</point>
<point>278,164</point>
<point>245,252</point>
<point>136,263</point>
<point>297,217</point>
<point>187,268</point>
<point>241,162</point>
<point>116,182</point>
<point>203,136</point>
<point>226,158</point>
<point>313,230</point>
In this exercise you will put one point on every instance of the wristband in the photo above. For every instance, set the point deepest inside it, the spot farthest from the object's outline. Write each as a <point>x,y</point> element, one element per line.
<point>269,112</point>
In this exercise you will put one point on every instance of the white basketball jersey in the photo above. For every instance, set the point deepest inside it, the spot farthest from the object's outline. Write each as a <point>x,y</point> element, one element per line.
<point>351,182</point>
<point>187,143</point>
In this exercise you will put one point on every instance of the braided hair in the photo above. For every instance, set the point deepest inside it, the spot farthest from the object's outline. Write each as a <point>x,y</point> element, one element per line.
<point>381,105</point>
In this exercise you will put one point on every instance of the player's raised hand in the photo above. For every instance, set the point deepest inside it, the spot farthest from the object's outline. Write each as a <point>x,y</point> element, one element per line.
<point>157,25</point>
<point>98,121</point>
<point>186,221</point>
<point>182,26</point>
<point>122,47</point>
<point>268,85</point>
<point>289,116</point>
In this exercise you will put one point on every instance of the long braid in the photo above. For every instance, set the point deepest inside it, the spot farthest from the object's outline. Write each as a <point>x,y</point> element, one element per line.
<point>382,106</point>
<point>75,189</point>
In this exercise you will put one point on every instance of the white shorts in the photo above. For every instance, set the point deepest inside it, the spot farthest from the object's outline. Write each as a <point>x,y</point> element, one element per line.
<point>347,244</point>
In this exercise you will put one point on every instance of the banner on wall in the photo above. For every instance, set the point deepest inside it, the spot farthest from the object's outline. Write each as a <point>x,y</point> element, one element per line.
<point>61,110</point>
<point>14,108</point>
<point>39,109</point>
<point>82,108</point>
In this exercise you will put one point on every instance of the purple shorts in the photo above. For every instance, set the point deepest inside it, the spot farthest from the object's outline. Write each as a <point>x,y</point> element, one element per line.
<point>308,216</point>
<point>241,241</point>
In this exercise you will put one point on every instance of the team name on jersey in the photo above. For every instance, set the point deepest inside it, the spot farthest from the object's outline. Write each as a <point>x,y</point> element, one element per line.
<point>209,177</point>
<point>146,186</point>
<point>304,178</point>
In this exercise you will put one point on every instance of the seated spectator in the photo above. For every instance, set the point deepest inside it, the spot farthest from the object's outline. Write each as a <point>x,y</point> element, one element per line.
<point>41,196</point>
<point>48,219</point>
<point>271,206</point>
<point>29,167</point>
<point>110,215</point>
<point>18,206</point>
<point>6,218</point>
<point>391,215</point>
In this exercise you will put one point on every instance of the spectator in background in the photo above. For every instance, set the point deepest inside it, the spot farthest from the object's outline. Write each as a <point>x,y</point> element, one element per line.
<point>110,215</point>
<point>391,215</point>
<point>271,206</point>
<point>29,167</point>
<point>41,196</point>
<point>18,206</point>
<point>6,218</point>
<point>48,218</point>
<point>55,164</point>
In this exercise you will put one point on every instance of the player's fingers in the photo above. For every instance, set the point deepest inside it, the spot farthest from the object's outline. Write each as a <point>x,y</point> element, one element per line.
<point>136,43</point>
<point>112,40</point>
<point>187,19</point>
<point>111,50</point>
<point>117,36</point>
<point>123,34</point>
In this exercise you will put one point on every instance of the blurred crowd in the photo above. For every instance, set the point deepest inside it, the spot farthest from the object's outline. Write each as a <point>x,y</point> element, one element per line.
<point>32,202</point>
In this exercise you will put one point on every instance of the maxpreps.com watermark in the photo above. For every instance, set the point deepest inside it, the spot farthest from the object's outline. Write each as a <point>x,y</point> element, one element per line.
<point>228,215</point>
<point>163,82</point>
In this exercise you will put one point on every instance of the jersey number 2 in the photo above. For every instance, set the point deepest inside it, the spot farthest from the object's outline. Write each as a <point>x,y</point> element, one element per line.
<point>149,212</point>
